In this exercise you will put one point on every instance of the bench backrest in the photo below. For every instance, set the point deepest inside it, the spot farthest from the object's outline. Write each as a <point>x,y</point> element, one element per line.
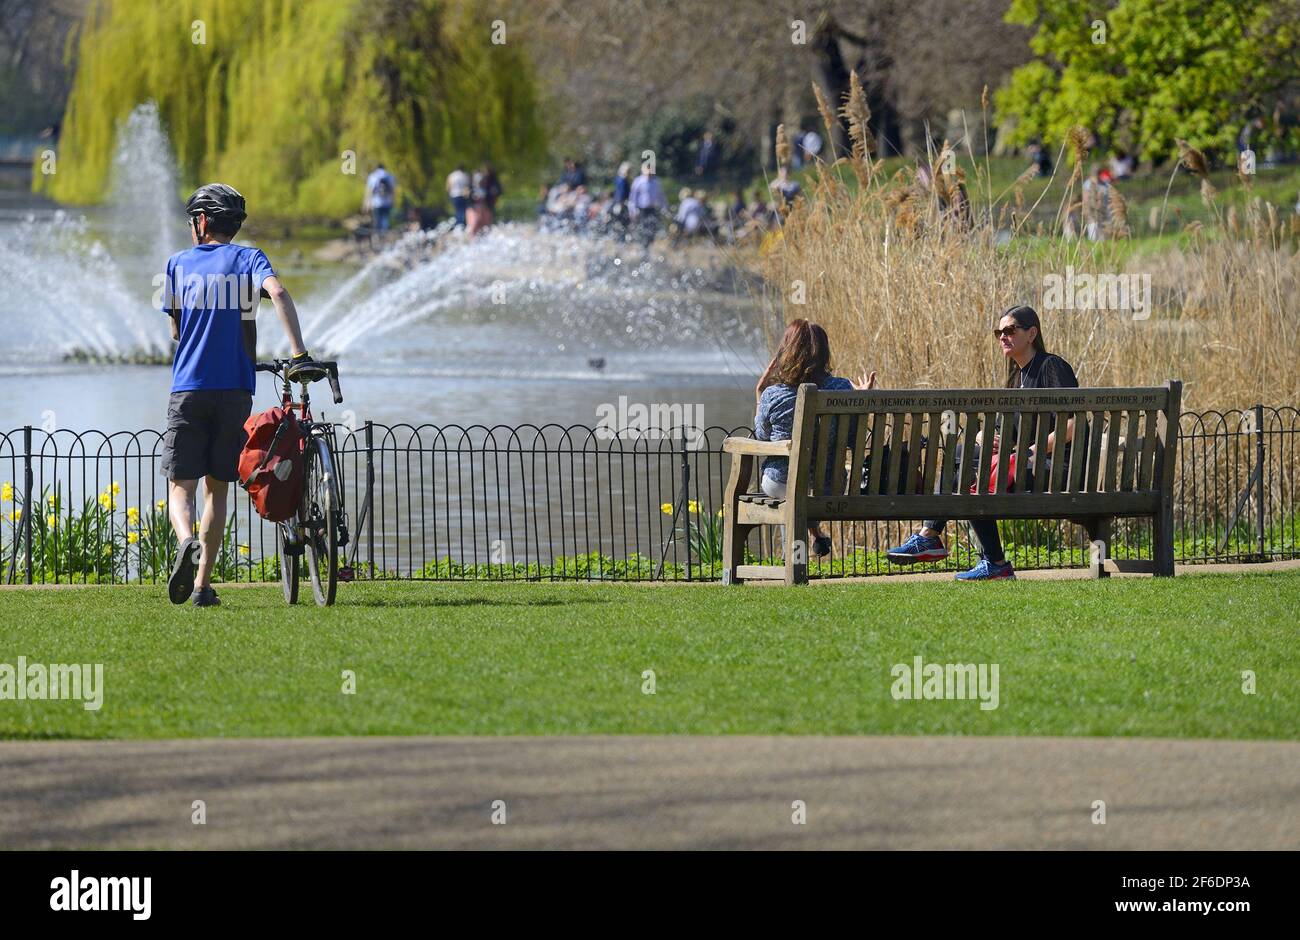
<point>880,425</point>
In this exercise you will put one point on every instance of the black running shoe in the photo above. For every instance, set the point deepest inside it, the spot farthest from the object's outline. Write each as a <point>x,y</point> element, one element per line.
<point>181,583</point>
<point>205,597</point>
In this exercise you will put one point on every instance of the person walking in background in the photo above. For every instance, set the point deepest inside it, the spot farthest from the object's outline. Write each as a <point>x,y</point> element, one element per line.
<point>491,189</point>
<point>1029,365</point>
<point>380,191</point>
<point>458,190</point>
<point>574,175</point>
<point>690,212</point>
<point>706,162</point>
<point>623,183</point>
<point>484,192</point>
<point>647,201</point>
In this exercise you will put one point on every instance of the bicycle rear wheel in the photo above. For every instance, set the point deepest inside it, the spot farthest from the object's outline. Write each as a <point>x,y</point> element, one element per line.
<point>321,508</point>
<point>289,564</point>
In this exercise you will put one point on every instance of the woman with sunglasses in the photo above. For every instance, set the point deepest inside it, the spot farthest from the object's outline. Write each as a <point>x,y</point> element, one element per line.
<point>1029,365</point>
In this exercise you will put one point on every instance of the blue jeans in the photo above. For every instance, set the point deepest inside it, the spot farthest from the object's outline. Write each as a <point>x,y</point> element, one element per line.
<point>458,205</point>
<point>380,216</point>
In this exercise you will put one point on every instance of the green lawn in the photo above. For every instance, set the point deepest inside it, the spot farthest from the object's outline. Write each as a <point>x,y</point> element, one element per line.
<point>1115,657</point>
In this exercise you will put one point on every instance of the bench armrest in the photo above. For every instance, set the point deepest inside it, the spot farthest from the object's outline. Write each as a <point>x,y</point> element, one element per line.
<point>747,445</point>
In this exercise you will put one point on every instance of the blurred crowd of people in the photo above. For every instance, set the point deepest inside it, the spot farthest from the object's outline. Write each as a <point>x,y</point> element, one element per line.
<point>636,208</point>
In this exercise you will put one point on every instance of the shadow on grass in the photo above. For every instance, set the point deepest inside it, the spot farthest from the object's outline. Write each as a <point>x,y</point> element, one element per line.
<point>26,734</point>
<point>469,602</point>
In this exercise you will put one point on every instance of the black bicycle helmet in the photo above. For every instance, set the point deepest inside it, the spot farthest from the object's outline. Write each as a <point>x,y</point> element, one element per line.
<point>222,204</point>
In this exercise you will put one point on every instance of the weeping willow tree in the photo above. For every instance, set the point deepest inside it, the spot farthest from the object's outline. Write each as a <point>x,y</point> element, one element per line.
<point>272,96</point>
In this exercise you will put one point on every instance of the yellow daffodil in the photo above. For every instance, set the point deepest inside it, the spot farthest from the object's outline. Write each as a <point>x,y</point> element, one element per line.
<point>7,492</point>
<point>132,538</point>
<point>693,507</point>
<point>243,549</point>
<point>15,515</point>
<point>133,515</point>
<point>161,504</point>
<point>667,509</point>
<point>116,490</point>
<point>49,520</point>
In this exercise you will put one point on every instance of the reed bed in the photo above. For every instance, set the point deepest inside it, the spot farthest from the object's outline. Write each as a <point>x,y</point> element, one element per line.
<point>908,272</point>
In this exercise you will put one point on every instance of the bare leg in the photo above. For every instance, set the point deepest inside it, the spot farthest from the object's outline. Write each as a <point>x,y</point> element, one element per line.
<point>212,528</point>
<point>180,507</point>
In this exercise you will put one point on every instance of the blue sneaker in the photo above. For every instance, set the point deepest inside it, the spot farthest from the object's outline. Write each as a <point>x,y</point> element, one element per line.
<point>918,548</point>
<point>989,571</point>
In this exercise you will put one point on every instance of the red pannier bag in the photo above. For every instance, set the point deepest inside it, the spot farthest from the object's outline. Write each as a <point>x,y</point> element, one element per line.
<point>271,463</point>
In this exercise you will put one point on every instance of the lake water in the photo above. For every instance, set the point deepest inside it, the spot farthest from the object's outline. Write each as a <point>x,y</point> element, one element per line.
<point>513,327</point>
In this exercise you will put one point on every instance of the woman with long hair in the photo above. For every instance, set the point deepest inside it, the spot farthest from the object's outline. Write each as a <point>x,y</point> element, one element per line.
<point>803,356</point>
<point>1029,365</point>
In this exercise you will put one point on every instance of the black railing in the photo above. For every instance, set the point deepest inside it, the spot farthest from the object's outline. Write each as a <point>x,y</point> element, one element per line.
<point>552,503</point>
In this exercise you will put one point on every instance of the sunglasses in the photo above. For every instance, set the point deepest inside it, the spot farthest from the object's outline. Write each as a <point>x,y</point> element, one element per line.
<point>1009,331</point>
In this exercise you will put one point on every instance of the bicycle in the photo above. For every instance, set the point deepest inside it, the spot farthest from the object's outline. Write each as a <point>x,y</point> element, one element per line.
<point>319,528</point>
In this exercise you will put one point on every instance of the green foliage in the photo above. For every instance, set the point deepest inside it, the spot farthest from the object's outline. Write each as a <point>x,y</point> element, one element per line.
<point>277,92</point>
<point>1166,69</point>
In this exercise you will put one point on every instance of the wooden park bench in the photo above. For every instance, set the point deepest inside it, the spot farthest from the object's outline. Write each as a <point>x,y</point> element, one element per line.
<point>1125,467</point>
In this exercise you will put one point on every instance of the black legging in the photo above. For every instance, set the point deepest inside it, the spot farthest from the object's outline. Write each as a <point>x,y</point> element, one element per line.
<point>986,530</point>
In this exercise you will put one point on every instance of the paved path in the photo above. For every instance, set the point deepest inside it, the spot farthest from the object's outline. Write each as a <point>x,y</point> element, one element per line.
<point>652,792</point>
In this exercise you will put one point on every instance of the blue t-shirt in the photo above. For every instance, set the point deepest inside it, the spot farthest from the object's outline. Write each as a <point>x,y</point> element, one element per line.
<point>214,287</point>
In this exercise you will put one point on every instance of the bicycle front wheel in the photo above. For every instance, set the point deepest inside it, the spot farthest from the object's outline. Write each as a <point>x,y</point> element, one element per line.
<point>321,508</point>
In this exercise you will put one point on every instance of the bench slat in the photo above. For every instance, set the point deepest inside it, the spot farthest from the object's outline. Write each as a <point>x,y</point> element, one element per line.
<point>1082,435</point>
<point>1110,476</point>
<point>1147,462</point>
<point>986,506</point>
<point>1097,428</point>
<point>916,422</point>
<point>1040,453</point>
<point>1059,467</point>
<point>821,455</point>
<point>1127,480</point>
<point>909,401</point>
<point>839,456</point>
<point>877,452</point>
<point>856,458</point>
<point>895,450</point>
<point>966,468</point>
<point>935,429</point>
<point>986,453</point>
<point>1023,443</point>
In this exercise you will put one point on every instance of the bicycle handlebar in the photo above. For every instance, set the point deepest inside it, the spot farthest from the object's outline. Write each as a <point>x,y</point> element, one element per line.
<point>277,366</point>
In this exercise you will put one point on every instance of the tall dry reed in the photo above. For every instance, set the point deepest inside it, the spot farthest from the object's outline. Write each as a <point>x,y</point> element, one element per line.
<point>910,283</point>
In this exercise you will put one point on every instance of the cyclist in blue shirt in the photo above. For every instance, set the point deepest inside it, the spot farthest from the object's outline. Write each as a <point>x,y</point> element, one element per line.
<point>210,294</point>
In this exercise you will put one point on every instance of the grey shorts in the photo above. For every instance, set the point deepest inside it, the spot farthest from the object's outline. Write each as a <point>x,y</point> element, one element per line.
<point>205,434</point>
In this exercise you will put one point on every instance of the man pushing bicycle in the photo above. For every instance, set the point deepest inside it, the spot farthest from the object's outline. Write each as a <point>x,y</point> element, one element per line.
<point>210,294</point>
